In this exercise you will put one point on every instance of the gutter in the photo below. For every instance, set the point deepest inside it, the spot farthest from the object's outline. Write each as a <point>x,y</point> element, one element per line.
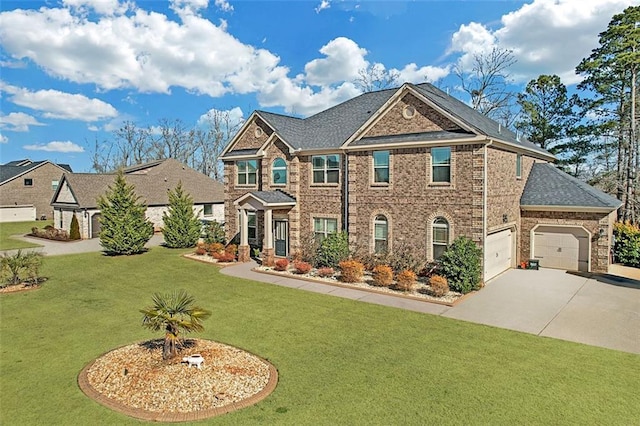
<point>345,223</point>
<point>485,186</point>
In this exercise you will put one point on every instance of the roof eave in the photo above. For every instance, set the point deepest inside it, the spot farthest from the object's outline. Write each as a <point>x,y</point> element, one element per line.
<point>577,209</point>
<point>416,144</point>
<point>520,148</point>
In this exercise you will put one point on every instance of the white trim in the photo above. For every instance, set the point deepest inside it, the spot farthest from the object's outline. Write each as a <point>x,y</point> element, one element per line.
<point>576,209</point>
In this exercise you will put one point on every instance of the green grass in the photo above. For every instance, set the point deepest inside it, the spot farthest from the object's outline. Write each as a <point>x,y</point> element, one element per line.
<point>18,228</point>
<point>339,361</point>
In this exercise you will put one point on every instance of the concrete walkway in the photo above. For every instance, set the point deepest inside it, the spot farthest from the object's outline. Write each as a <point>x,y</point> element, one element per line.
<point>53,248</point>
<point>595,310</point>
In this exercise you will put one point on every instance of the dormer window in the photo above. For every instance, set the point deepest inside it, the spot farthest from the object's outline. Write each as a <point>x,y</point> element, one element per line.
<point>279,171</point>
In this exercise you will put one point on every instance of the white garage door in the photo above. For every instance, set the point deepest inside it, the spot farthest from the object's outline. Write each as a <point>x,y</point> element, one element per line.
<point>17,213</point>
<point>561,248</point>
<point>498,253</point>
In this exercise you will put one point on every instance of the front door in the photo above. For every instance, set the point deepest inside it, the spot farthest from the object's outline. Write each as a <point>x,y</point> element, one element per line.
<point>281,237</point>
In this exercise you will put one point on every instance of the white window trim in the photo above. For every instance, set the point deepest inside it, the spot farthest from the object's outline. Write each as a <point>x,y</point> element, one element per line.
<point>325,170</point>
<point>246,173</point>
<point>325,217</point>
<point>432,167</point>
<point>388,239</point>
<point>276,168</point>
<point>373,169</point>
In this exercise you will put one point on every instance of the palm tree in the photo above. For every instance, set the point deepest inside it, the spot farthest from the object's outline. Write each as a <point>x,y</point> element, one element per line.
<point>173,312</point>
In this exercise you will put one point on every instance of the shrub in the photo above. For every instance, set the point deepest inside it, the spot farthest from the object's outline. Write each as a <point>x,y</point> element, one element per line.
<point>281,265</point>
<point>406,280</point>
<point>181,225</point>
<point>325,272</point>
<point>215,249</point>
<point>627,244</point>
<point>382,275</point>
<point>226,257</point>
<point>351,271</point>
<point>405,257</point>
<point>21,266</point>
<point>332,250</point>
<point>302,267</point>
<point>231,248</point>
<point>200,250</point>
<point>213,232</point>
<point>74,231</point>
<point>308,249</point>
<point>439,285</point>
<point>461,265</point>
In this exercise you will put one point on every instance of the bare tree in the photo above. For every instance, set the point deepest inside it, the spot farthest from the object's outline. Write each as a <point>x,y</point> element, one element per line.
<point>376,77</point>
<point>175,141</point>
<point>487,83</point>
<point>209,142</point>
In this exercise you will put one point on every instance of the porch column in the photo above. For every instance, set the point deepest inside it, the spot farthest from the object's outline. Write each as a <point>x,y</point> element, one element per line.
<point>268,251</point>
<point>243,249</point>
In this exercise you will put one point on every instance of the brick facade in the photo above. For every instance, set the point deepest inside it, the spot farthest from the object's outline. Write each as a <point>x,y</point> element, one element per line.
<point>39,193</point>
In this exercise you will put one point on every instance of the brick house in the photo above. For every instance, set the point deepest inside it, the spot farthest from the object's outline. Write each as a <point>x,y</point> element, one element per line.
<point>26,188</point>
<point>410,166</point>
<point>78,194</point>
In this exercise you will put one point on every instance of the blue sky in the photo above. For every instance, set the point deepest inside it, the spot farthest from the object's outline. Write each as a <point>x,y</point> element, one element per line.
<point>74,70</point>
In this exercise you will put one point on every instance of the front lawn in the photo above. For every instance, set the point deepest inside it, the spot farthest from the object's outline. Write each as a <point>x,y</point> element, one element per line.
<point>18,228</point>
<point>339,361</point>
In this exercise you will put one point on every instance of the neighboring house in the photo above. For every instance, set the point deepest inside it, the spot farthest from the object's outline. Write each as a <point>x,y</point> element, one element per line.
<point>26,188</point>
<point>78,194</point>
<point>410,166</point>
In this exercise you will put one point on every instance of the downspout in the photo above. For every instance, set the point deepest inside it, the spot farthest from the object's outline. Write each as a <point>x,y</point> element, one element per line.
<point>485,186</point>
<point>345,219</point>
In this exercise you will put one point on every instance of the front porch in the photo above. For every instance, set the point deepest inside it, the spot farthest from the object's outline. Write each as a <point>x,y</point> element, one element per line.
<point>276,230</point>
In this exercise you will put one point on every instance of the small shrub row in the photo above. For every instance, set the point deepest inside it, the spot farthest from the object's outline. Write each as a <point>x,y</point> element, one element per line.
<point>351,271</point>
<point>281,265</point>
<point>302,267</point>
<point>50,233</point>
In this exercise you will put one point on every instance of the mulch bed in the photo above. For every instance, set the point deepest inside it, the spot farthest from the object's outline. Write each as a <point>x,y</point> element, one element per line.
<point>136,381</point>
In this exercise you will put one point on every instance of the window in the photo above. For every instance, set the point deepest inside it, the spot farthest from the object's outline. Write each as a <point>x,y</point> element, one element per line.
<point>439,236</point>
<point>208,209</point>
<point>381,166</point>
<point>252,225</point>
<point>279,171</point>
<point>326,168</point>
<point>519,166</point>
<point>54,184</point>
<point>380,234</point>
<point>322,227</point>
<point>441,165</point>
<point>247,172</point>
<point>28,182</point>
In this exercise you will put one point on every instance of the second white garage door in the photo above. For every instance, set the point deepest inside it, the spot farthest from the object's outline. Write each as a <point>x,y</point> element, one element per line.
<point>498,253</point>
<point>561,248</point>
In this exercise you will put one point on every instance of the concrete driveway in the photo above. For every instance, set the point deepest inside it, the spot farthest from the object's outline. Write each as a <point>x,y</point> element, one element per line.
<point>596,310</point>
<point>53,248</point>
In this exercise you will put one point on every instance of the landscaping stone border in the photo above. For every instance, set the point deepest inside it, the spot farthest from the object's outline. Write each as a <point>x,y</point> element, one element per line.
<point>91,392</point>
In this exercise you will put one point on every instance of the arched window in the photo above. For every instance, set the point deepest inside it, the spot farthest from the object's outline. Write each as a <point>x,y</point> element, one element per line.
<point>381,234</point>
<point>279,171</point>
<point>439,236</point>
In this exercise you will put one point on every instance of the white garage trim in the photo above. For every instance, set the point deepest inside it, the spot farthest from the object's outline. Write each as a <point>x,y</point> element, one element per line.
<point>577,257</point>
<point>499,253</point>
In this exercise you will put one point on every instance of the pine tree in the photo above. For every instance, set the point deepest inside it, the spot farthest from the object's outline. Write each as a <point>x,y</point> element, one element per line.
<point>74,232</point>
<point>181,225</point>
<point>124,227</point>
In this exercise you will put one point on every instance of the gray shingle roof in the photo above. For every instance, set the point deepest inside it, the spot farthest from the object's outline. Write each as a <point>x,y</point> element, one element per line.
<point>550,186</point>
<point>273,197</point>
<point>152,181</point>
<point>333,127</point>
<point>241,152</point>
<point>14,169</point>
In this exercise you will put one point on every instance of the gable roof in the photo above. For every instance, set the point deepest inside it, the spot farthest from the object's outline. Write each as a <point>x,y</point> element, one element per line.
<point>333,128</point>
<point>550,188</point>
<point>15,169</point>
<point>152,181</point>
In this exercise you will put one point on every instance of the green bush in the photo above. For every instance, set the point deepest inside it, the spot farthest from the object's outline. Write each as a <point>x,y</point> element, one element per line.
<point>20,267</point>
<point>74,232</point>
<point>627,244</point>
<point>181,225</point>
<point>213,232</point>
<point>461,265</point>
<point>332,250</point>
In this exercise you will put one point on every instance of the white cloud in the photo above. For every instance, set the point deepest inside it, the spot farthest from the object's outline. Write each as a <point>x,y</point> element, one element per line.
<point>103,7</point>
<point>3,138</point>
<point>18,122</point>
<point>344,58</point>
<point>93,128</point>
<point>235,116</point>
<point>411,73</point>
<point>56,104</point>
<point>56,146</point>
<point>303,100</point>
<point>546,36</point>
<point>224,5</point>
<point>324,4</point>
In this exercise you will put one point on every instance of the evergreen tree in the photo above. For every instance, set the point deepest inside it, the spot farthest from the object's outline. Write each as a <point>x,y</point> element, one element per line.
<point>74,232</point>
<point>181,225</point>
<point>124,226</point>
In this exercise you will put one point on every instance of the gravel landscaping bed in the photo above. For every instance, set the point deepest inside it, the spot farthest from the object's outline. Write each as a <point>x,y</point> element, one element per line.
<point>137,377</point>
